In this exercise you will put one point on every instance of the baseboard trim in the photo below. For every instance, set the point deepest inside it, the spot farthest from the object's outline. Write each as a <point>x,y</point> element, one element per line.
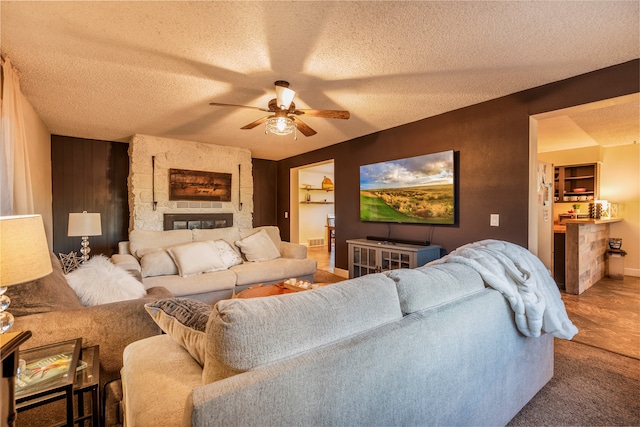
<point>635,272</point>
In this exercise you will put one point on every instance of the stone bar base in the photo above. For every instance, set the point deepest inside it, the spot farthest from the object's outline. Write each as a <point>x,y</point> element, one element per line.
<point>586,246</point>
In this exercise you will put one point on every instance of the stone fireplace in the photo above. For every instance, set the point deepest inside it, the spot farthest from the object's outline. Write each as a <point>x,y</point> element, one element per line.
<point>151,158</point>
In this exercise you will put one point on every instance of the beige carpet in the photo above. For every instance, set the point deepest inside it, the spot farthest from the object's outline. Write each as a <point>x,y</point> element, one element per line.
<point>590,387</point>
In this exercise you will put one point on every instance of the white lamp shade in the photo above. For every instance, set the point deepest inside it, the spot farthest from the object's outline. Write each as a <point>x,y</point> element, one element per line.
<point>84,224</point>
<point>285,96</point>
<point>24,254</point>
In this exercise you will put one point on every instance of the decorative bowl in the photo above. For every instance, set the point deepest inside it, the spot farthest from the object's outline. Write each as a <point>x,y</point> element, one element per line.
<point>579,190</point>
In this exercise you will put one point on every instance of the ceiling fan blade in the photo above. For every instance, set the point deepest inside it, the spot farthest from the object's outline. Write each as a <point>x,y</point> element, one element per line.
<point>256,123</point>
<point>218,104</point>
<point>303,127</point>
<point>327,114</point>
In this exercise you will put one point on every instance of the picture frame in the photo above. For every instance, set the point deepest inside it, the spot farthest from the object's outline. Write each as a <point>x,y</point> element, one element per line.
<point>199,185</point>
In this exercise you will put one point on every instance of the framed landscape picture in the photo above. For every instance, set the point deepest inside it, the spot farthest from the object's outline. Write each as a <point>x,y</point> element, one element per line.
<point>199,185</point>
<point>413,190</point>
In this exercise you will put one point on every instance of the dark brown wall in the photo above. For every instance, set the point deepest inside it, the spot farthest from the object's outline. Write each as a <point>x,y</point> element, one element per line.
<point>265,179</point>
<point>492,142</point>
<point>89,175</point>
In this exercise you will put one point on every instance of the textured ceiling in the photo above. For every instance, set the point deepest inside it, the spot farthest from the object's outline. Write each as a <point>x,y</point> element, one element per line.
<point>606,123</point>
<point>108,70</point>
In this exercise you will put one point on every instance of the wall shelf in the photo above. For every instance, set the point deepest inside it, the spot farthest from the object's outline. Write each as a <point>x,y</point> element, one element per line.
<point>316,203</point>
<point>315,189</point>
<point>568,178</point>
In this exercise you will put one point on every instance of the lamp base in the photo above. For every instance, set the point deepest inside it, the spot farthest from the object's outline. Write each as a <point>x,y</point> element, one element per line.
<point>6,321</point>
<point>6,318</point>
<point>85,249</point>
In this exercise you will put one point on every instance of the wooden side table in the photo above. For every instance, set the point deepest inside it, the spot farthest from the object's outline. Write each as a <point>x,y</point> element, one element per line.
<point>10,343</point>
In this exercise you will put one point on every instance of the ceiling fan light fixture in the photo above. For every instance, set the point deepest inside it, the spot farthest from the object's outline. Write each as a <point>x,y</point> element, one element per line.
<point>285,96</point>
<point>280,126</point>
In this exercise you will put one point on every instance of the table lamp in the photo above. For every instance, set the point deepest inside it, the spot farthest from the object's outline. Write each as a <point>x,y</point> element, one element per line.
<point>24,256</point>
<point>84,224</point>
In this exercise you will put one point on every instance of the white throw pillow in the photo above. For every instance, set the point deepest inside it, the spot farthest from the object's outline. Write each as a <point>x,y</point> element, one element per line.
<point>258,247</point>
<point>98,281</point>
<point>195,258</point>
<point>227,254</point>
<point>158,263</point>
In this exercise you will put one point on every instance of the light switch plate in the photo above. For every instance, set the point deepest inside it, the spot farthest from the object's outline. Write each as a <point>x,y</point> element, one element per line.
<point>495,220</point>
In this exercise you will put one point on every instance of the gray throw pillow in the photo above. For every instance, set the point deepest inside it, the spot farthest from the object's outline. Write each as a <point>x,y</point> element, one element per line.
<point>185,320</point>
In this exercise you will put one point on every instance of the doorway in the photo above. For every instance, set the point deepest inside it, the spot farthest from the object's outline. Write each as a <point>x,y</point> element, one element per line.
<point>312,204</point>
<point>598,132</point>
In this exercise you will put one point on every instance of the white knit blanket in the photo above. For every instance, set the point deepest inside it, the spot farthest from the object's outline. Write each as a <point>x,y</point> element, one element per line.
<point>523,280</point>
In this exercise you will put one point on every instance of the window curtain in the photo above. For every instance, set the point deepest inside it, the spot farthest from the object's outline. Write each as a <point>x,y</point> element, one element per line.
<point>15,176</point>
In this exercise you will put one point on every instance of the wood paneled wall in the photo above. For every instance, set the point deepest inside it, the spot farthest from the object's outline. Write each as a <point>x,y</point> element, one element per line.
<point>265,181</point>
<point>89,175</point>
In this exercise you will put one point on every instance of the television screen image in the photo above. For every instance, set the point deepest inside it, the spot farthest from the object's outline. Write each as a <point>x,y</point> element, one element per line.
<point>417,190</point>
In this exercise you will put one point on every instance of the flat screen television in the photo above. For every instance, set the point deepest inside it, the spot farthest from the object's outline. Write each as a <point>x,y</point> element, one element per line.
<point>414,190</point>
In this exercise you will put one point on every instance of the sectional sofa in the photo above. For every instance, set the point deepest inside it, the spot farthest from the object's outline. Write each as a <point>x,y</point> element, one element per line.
<point>52,311</point>
<point>209,265</point>
<point>429,346</point>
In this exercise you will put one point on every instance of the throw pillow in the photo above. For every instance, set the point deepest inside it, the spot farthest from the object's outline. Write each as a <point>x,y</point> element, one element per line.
<point>227,254</point>
<point>98,281</point>
<point>258,247</point>
<point>185,320</point>
<point>157,263</point>
<point>69,261</point>
<point>196,258</point>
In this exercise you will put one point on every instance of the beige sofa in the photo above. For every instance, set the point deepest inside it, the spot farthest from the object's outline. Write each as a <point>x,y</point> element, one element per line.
<point>290,260</point>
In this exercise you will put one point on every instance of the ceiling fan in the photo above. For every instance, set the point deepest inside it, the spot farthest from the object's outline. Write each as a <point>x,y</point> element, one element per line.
<point>284,120</point>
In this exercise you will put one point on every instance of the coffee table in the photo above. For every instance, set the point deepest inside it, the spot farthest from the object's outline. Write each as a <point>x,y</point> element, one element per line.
<point>268,290</point>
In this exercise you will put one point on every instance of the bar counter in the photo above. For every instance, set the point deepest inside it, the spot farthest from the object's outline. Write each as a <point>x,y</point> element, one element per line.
<point>586,242</point>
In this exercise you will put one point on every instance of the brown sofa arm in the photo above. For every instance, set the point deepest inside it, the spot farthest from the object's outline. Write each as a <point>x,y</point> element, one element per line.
<point>112,326</point>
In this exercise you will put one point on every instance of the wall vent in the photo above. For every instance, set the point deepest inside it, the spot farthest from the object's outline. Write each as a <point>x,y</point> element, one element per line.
<point>316,242</point>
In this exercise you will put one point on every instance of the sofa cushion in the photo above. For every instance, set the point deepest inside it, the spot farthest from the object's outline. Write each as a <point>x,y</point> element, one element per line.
<point>430,286</point>
<point>196,258</point>
<point>157,262</point>
<point>272,270</point>
<point>246,333</point>
<point>258,247</point>
<point>185,320</point>
<point>98,281</point>
<point>198,284</point>
<point>145,239</point>
<point>49,293</point>
<point>271,230</point>
<point>228,234</point>
<point>227,254</point>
